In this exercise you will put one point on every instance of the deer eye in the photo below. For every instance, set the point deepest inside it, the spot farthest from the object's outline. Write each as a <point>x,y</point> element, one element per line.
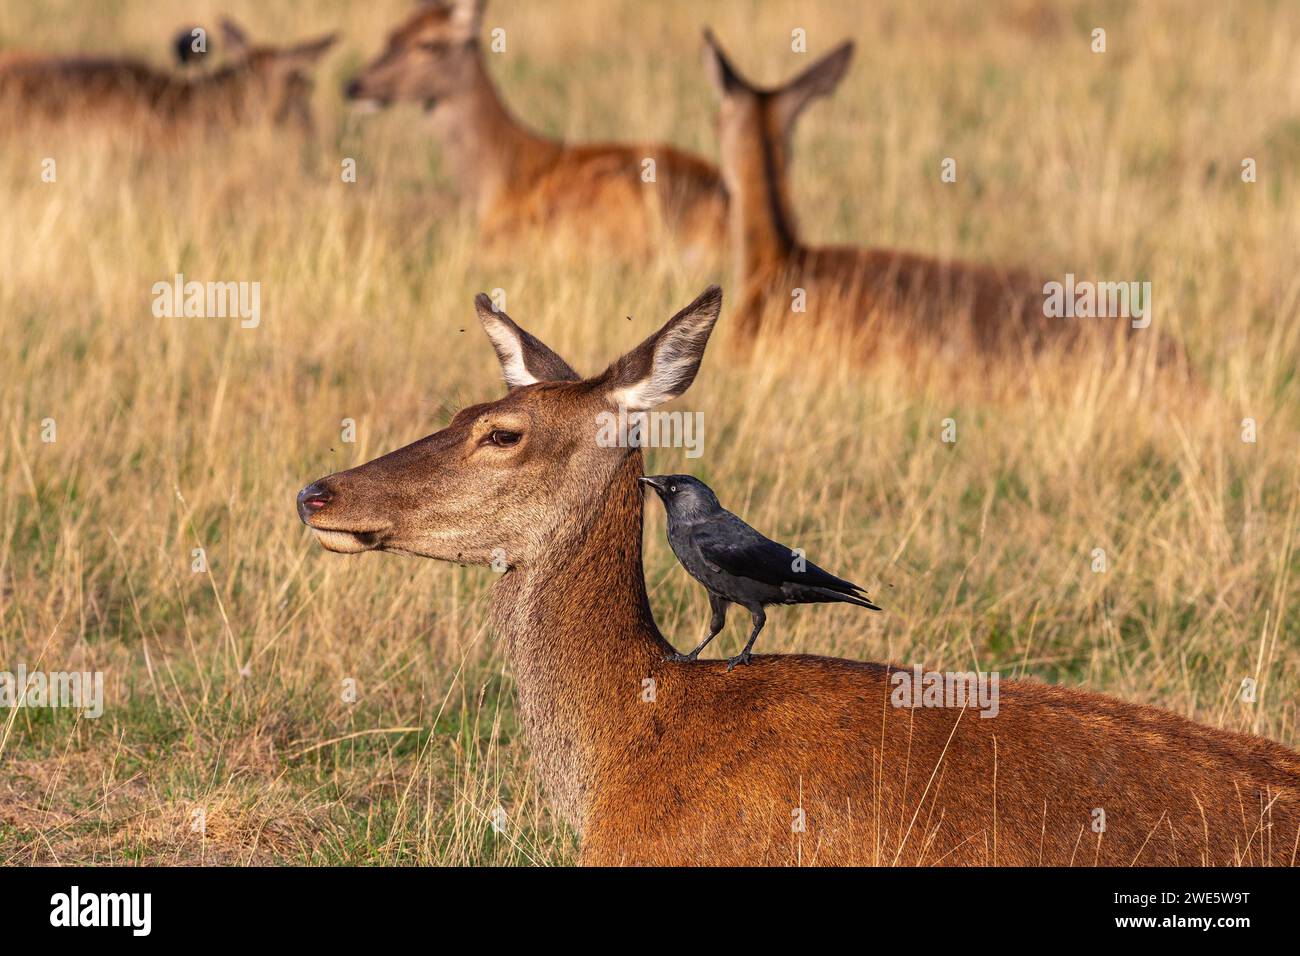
<point>502,438</point>
<point>435,46</point>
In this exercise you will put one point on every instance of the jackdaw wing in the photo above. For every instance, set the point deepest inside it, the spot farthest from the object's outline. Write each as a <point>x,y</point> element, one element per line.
<point>729,544</point>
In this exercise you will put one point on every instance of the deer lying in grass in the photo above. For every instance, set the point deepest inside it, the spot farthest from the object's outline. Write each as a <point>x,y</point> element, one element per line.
<point>516,177</point>
<point>257,83</point>
<point>653,761</point>
<point>970,308</point>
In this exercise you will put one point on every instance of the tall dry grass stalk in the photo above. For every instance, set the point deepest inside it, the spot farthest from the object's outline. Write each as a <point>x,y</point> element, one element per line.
<point>225,689</point>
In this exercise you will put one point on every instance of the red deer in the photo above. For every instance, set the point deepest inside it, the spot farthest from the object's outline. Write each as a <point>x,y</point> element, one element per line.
<point>513,176</point>
<point>794,758</point>
<point>964,307</point>
<point>258,82</point>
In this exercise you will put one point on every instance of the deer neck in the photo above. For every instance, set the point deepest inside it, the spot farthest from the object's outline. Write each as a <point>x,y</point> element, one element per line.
<point>489,152</point>
<point>580,638</point>
<point>762,224</point>
<point>224,94</point>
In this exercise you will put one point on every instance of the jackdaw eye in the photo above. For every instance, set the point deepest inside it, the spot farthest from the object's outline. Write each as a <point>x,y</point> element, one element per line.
<point>503,439</point>
<point>672,489</point>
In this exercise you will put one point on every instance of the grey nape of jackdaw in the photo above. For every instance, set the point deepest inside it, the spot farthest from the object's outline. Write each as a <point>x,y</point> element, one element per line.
<point>736,564</point>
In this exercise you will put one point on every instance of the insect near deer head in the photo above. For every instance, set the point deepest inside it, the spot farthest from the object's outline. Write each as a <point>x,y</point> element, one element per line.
<point>793,758</point>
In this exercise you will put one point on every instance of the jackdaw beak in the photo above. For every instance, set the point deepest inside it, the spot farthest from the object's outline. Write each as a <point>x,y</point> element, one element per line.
<point>652,482</point>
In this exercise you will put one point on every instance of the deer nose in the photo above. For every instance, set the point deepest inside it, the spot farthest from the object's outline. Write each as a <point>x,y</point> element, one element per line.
<point>312,499</point>
<point>352,89</point>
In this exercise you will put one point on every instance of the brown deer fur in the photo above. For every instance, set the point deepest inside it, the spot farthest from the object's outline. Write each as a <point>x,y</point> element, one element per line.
<point>515,177</point>
<point>966,307</point>
<point>259,82</point>
<point>712,766</point>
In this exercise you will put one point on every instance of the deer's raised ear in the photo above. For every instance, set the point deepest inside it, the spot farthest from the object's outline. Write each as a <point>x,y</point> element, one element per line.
<point>304,54</point>
<point>726,78</point>
<point>820,79</point>
<point>467,17</point>
<point>524,359</point>
<point>237,42</point>
<point>664,365</point>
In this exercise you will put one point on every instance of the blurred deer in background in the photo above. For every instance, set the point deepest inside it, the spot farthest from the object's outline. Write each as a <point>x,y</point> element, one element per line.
<point>966,307</point>
<point>257,83</point>
<point>794,758</point>
<point>515,177</point>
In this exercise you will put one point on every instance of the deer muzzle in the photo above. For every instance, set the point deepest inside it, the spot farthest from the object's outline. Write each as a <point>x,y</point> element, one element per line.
<point>315,511</point>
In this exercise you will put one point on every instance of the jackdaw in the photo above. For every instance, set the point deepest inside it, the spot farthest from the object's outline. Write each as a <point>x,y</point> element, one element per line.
<point>736,564</point>
<point>188,50</point>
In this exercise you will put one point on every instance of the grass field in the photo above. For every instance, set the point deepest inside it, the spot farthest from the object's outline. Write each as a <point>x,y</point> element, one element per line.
<point>224,696</point>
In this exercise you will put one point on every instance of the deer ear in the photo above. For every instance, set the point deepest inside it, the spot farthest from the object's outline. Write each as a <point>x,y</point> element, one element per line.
<point>664,365</point>
<point>307,53</point>
<point>524,359</point>
<point>467,17</point>
<point>820,79</point>
<point>237,41</point>
<point>726,79</point>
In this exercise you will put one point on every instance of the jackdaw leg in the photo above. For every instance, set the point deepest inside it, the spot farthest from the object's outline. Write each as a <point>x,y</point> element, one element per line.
<point>744,657</point>
<point>716,624</point>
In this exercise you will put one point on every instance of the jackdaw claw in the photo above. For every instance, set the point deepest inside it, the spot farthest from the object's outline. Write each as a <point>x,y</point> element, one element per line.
<point>744,657</point>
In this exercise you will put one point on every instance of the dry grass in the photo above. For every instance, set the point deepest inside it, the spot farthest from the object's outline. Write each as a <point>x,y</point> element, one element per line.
<point>224,689</point>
